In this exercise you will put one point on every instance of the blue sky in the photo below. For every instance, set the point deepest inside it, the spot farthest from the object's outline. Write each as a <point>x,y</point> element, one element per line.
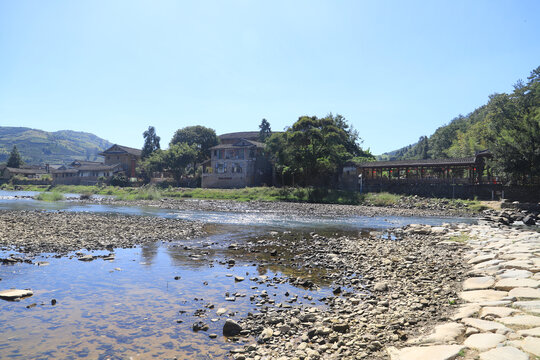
<point>395,69</point>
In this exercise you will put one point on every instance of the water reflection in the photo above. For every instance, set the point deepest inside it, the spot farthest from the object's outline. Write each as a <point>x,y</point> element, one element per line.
<point>133,306</point>
<point>149,252</point>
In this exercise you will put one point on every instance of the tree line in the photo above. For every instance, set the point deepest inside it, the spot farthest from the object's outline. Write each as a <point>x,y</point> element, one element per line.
<point>508,125</point>
<point>311,152</point>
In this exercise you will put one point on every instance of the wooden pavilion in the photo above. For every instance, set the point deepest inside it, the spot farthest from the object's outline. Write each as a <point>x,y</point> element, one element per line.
<point>466,171</point>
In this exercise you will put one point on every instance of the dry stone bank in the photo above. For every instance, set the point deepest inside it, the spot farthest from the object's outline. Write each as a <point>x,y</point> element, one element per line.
<point>499,315</point>
<point>35,232</point>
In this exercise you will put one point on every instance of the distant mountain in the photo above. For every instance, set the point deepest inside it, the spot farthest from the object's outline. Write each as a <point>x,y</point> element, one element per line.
<point>60,147</point>
<point>396,154</point>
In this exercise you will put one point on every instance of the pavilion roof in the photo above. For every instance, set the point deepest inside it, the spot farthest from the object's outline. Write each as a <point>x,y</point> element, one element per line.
<point>420,162</point>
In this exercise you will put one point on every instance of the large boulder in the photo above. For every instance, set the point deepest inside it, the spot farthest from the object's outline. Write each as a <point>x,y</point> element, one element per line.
<point>529,220</point>
<point>231,328</point>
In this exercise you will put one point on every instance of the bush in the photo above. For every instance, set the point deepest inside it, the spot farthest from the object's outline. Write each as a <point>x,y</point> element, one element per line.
<point>121,181</point>
<point>50,196</point>
<point>86,195</point>
<point>382,199</point>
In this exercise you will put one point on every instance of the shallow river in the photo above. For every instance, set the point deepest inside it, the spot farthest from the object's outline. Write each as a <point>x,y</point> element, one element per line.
<point>143,303</point>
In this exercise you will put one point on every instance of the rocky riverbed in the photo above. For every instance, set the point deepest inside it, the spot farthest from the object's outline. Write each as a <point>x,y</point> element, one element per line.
<point>61,232</point>
<point>386,289</point>
<point>405,207</point>
<point>394,294</point>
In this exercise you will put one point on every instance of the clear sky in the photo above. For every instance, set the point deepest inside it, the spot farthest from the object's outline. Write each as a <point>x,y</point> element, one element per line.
<point>395,69</point>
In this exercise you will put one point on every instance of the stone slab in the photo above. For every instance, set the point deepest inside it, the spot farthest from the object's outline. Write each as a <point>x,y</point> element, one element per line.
<point>516,274</point>
<point>532,306</point>
<point>488,264</point>
<point>497,311</point>
<point>521,320</point>
<point>531,345</point>
<point>442,334</point>
<point>12,294</point>
<point>484,325</point>
<point>481,258</point>
<point>530,332</point>
<point>518,264</point>
<point>504,353</point>
<point>478,283</point>
<point>476,296</point>
<point>435,352</point>
<point>483,342</point>
<point>525,293</point>
<point>466,311</point>
<point>511,283</point>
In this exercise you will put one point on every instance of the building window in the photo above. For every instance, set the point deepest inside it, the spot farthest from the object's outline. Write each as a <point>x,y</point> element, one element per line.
<point>221,168</point>
<point>236,168</point>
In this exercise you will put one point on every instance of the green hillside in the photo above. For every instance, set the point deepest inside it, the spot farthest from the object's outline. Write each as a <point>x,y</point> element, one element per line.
<point>60,147</point>
<point>508,125</point>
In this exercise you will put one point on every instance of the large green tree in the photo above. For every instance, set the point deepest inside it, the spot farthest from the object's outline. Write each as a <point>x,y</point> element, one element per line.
<point>313,150</point>
<point>514,130</point>
<point>151,142</point>
<point>200,137</point>
<point>265,131</point>
<point>179,157</point>
<point>155,162</point>
<point>15,160</point>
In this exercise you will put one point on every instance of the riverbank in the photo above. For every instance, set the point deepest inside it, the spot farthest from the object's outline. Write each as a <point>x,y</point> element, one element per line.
<point>37,232</point>
<point>499,315</point>
<point>440,209</point>
<point>382,289</point>
<point>263,194</point>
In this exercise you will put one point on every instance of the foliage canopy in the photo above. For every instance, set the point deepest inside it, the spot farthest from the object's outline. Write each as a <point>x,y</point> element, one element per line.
<point>151,142</point>
<point>313,150</point>
<point>15,160</point>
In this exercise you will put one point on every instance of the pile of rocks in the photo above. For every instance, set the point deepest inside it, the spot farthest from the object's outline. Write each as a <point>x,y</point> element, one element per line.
<point>500,313</point>
<point>513,216</point>
<point>384,291</point>
<point>61,232</point>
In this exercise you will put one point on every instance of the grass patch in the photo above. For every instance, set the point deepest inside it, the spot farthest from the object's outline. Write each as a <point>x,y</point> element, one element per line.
<point>291,194</point>
<point>143,193</point>
<point>477,207</point>
<point>381,199</point>
<point>460,238</point>
<point>50,196</point>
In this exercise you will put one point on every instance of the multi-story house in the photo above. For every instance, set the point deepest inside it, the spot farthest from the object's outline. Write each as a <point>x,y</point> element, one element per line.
<point>237,162</point>
<point>125,156</point>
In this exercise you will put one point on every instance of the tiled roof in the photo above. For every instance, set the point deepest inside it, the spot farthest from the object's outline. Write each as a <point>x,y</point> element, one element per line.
<point>248,135</point>
<point>26,171</point>
<point>132,151</point>
<point>229,146</point>
<point>421,162</point>
<point>96,167</point>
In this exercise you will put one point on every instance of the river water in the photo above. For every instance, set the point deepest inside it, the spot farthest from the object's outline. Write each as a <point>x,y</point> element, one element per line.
<point>143,303</point>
